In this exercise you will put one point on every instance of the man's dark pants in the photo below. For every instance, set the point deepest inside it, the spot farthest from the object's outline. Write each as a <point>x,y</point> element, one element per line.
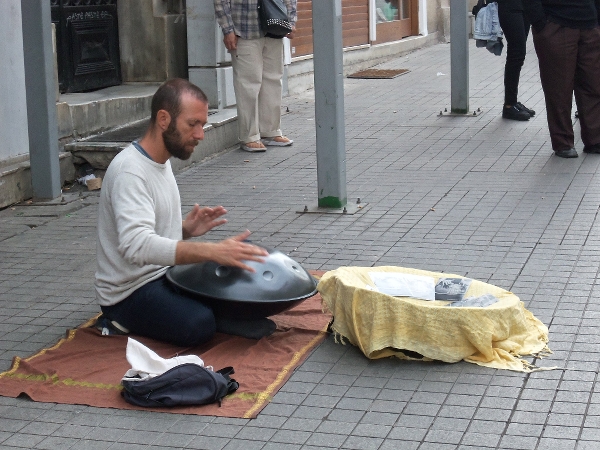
<point>569,61</point>
<point>160,311</point>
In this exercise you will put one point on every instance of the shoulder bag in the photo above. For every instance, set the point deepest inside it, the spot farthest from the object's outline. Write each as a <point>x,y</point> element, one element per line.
<point>273,18</point>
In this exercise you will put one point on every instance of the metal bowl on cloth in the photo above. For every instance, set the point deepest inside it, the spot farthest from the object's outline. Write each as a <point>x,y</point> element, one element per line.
<point>278,284</point>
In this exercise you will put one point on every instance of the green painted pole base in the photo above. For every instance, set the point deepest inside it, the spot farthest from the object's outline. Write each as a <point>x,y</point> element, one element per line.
<point>331,202</point>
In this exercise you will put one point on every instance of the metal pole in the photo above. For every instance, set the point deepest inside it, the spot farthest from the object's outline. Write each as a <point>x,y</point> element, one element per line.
<point>329,103</point>
<point>41,100</point>
<point>459,57</point>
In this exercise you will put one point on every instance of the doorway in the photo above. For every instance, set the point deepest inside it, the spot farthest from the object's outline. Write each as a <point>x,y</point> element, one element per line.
<point>87,44</point>
<point>396,19</point>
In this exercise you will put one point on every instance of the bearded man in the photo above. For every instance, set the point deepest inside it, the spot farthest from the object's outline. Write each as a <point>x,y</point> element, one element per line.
<point>141,232</point>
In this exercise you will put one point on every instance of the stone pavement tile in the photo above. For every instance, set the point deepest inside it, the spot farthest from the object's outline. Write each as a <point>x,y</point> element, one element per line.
<point>372,430</point>
<point>142,437</point>
<point>450,423</point>
<point>518,442</point>
<point>176,440</point>
<point>289,398</point>
<point>336,427</point>
<point>529,417</point>
<point>480,439</point>
<point>208,442</point>
<point>72,431</point>
<point>341,415</point>
<point>444,436</point>
<point>382,405</point>
<point>301,424</point>
<point>290,437</point>
<point>236,444</point>
<point>262,433</point>
<point>382,418</point>
<point>315,412</point>
<point>23,440</point>
<point>525,429</point>
<point>562,432</point>
<point>274,409</point>
<point>12,425</point>
<point>422,409</point>
<point>103,434</point>
<point>436,446</point>
<point>487,426</point>
<point>458,412</point>
<point>324,401</point>
<point>326,440</point>
<point>329,389</point>
<point>557,444</point>
<point>280,446</point>
<point>53,443</point>
<point>312,447</point>
<point>362,443</point>
<point>85,444</point>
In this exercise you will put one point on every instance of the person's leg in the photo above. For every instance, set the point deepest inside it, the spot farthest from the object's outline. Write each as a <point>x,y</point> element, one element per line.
<point>269,98</point>
<point>247,65</point>
<point>587,89</point>
<point>159,311</point>
<point>513,26</point>
<point>556,48</point>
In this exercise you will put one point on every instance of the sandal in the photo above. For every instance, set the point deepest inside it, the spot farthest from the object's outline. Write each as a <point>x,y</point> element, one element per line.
<point>277,141</point>
<point>253,147</point>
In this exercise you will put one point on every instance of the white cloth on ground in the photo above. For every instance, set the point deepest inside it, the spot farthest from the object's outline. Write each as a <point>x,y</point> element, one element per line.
<point>147,364</point>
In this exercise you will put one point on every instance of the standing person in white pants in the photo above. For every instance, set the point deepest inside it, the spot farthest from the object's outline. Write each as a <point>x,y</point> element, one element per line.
<point>257,61</point>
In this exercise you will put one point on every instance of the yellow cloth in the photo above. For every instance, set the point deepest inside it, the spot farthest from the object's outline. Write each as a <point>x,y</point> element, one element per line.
<point>380,325</point>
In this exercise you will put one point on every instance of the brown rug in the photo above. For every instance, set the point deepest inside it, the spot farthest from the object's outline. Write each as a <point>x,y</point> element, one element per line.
<point>379,73</point>
<point>86,368</point>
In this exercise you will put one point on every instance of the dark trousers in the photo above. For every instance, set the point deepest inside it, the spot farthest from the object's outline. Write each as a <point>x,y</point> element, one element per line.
<point>569,61</point>
<point>160,311</point>
<point>515,26</point>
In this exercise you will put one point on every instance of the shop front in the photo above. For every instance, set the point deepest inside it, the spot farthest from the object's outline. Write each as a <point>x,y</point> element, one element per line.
<point>393,19</point>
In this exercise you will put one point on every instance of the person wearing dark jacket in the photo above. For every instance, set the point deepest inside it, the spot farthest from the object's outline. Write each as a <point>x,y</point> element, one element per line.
<point>566,35</point>
<point>515,26</point>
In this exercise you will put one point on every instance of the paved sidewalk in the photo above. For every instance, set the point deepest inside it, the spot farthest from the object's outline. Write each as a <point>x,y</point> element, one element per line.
<point>480,196</point>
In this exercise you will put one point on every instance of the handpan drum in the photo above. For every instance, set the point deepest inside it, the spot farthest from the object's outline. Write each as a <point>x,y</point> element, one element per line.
<point>278,284</point>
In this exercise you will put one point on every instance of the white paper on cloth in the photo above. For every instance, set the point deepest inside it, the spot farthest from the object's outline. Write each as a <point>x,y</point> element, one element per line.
<point>146,364</point>
<point>404,285</point>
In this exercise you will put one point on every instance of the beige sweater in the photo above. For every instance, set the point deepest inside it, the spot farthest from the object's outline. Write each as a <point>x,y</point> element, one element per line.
<point>139,224</point>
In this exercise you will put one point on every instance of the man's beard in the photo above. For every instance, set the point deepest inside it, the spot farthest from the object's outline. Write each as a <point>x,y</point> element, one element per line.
<point>174,144</point>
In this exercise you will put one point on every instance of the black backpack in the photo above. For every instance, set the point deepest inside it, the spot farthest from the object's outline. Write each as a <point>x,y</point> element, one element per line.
<point>186,384</point>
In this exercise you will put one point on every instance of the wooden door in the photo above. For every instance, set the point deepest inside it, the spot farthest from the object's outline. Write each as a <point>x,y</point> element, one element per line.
<point>355,26</point>
<point>396,19</point>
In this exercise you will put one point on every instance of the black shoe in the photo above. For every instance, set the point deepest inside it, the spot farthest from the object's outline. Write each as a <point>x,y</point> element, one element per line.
<point>109,327</point>
<point>592,148</point>
<point>514,113</point>
<point>522,107</point>
<point>569,153</point>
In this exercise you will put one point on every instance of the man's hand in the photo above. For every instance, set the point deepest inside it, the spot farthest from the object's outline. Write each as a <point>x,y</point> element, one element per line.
<point>233,251</point>
<point>291,34</point>
<point>201,220</point>
<point>230,252</point>
<point>230,41</point>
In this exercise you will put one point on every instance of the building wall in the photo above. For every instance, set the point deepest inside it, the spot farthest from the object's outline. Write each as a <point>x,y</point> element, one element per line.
<point>14,140</point>
<point>152,41</point>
